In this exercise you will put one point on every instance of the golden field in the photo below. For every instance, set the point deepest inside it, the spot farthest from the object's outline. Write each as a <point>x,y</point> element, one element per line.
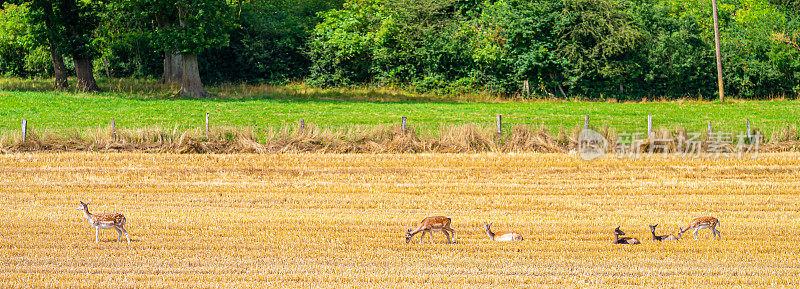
<point>334,220</point>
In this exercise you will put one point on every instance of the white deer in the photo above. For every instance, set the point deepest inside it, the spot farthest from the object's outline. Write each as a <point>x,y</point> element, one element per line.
<point>505,236</point>
<point>702,223</point>
<point>430,224</point>
<point>114,221</point>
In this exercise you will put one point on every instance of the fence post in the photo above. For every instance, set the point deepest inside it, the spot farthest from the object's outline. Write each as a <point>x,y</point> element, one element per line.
<point>586,123</point>
<point>403,124</point>
<point>113,129</point>
<point>709,128</point>
<point>24,130</point>
<point>206,125</point>
<point>302,125</point>
<point>649,125</point>
<point>749,133</point>
<point>499,124</point>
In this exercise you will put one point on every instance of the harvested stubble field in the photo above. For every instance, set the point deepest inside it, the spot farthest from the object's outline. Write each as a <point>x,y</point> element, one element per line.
<point>330,220</point>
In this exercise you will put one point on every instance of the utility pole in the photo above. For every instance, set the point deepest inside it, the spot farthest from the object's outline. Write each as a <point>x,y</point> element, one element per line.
<point>719,52</point>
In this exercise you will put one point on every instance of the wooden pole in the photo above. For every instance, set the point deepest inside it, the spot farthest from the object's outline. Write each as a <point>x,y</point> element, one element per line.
<point>709,128</point>
<point>206,125</point>
<point>403,124</point>
<point>499,124</point>
<point>649,125</point>
<point>302,125</point>
<point>24,130</point>
<point>586,122</point>
<point>113,129</point>
<point>719,52</point>
<point>749,133</point>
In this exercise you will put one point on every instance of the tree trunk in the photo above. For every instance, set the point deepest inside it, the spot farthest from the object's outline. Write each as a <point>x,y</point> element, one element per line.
<point>173,69</point>
<point>191,85</point>
<point>59,69</point>
<point>83,70</point>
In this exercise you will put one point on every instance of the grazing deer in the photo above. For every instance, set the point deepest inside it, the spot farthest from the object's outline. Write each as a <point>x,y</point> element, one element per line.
<point>624,240</point>
<point>504,236</point>
<point>702,223</point>
<point>114,221</point>
<point>430,224</point>
<point>662,237</point>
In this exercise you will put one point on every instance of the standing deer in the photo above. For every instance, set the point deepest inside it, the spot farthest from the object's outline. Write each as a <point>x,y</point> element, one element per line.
<point>702,223</point>
<point>624,240</point>
<point>504,236</point>
<point>430,224</point>
<point>662,237</point>
<point>114,221</point>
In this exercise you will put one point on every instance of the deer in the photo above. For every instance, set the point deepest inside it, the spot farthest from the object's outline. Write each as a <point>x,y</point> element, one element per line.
<point>505,236</point>
<point>624,240</point>
<point>702,223</point>
<point>669,237</point>
<point>114,221</point>
<point>430,224</point>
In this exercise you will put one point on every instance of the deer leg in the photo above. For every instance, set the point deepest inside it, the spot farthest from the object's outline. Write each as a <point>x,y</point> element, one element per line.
<point>421,237</point>
<point>717,233</point>
<point>126,234</point>
<point>448,236</point>
<point>96,235</point>
<point>119,234</point>
<point>695,233</point>
<point>430,236</point>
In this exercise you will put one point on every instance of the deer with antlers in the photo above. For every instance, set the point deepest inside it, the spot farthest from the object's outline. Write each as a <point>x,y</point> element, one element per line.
<point>114,221</point>
<point>505,236</point>
<point>669,237</point>
<point>702,223</point>
<point>430,224</point>
<point>624,240</point>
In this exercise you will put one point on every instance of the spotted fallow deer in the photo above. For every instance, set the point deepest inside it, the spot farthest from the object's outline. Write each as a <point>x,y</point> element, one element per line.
<point>669,237</point>
<point>702,223</point>
<point>114,221</point>
<point>430,224</point>
<point>505,236</point>
<point>624,240</point>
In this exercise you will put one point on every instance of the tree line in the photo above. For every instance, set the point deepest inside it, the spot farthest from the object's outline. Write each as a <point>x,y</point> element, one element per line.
<point>626,49</point>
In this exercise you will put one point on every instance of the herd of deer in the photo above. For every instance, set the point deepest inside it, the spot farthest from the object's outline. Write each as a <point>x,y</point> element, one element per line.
<point>428,225</point>
<point>441,223</point>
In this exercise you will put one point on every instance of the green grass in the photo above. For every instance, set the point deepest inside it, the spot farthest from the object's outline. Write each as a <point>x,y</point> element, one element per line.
<point>148,104</point>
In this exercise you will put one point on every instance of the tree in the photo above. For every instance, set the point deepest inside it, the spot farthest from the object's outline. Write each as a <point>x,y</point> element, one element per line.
<point>201,25</point>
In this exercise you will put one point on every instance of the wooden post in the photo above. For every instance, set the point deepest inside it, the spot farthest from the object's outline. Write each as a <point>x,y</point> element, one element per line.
<point>719,52</point>
<point>206,125</point>
<point>499,124</point>
<point>709,128</point>
<point>649,125</point>
<point>586,123</point>
<point>403,124</point>
<point>749,133</point>
<point>24,130</point>
<point>302,125</point>
<point>113,129</point>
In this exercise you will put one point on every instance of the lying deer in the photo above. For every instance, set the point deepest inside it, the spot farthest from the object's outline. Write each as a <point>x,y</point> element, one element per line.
<point>662,237</point>
<point>430,224</point>
<point>114,221</point>
<point>702,223</point>
<point>504,236</point>
<point>624,240</point>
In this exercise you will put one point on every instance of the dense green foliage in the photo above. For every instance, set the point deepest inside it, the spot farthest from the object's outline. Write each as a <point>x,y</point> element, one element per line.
<point>625,49</point>
<point>595,48</point>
